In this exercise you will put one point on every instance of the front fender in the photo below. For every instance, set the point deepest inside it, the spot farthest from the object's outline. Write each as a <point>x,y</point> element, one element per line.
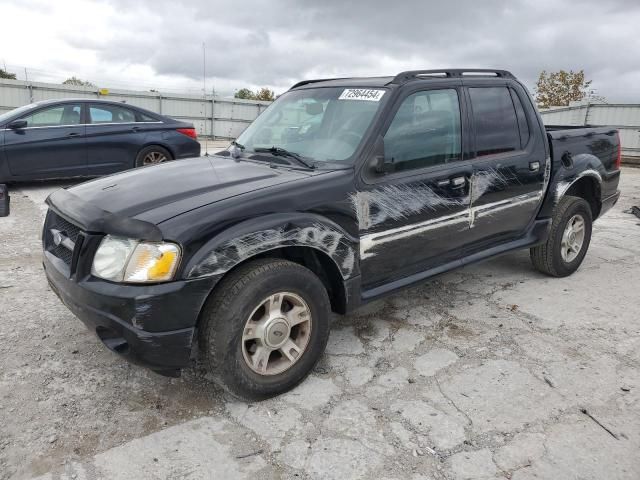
<point>256,236</point>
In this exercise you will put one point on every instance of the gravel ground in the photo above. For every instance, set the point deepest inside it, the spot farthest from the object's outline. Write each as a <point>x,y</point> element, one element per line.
<point>492,371</point>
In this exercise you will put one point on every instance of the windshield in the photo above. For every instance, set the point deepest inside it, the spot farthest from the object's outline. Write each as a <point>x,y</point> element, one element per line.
<point>5,116</point>
<point>320,124</point>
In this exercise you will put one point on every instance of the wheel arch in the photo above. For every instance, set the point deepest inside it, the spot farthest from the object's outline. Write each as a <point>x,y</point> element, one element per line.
<point>587,186</point>
<point>319,262</point>
<point>312,241</point>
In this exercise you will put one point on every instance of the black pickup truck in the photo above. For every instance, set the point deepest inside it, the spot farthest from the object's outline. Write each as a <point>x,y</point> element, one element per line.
<point>342,191</point>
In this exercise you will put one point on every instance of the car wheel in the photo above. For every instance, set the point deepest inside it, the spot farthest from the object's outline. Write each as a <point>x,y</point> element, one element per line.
<point>568,240</point>
<point>264,328</point>
<point>152,155</point>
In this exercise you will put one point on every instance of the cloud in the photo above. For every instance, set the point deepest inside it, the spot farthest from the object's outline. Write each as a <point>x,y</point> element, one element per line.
<point>256,43</point>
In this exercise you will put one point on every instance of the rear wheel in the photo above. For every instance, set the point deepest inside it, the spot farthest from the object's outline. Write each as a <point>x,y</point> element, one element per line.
<point>568,240</point>
<point>152,155</point>
<point>265,328</point>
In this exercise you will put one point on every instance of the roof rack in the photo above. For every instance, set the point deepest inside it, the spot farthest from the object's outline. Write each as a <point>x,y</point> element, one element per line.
<point>448,73</point>
<point>305,82</point>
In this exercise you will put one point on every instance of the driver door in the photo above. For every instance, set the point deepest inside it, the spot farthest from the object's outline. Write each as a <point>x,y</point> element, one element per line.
<point>416,217</point>
<point>52,145</point>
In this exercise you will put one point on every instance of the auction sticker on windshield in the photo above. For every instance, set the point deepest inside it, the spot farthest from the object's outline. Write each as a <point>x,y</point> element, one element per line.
<point>367,94</point>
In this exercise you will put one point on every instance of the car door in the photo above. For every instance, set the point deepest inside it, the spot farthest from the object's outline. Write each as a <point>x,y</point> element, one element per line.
<point>113,138</point>
<point>52,144</point>
<point>416,217</point>
<point>508,168</point>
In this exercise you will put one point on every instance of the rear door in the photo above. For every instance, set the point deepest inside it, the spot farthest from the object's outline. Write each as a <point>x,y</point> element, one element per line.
<point>508,168</point>
<point>416,217</point>
<point>53,143</point>
<point>114,137</point>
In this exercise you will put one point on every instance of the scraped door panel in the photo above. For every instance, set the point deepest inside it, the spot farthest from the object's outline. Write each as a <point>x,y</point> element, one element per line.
<point>510,171</point>
<point>416,217</point>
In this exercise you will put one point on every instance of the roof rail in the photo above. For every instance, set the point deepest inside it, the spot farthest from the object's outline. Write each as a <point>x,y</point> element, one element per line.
<point>449,72</point>
<point>305,82</point>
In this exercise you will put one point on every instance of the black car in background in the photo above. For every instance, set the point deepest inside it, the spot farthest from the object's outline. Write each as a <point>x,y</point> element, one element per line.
<point>87,138</point>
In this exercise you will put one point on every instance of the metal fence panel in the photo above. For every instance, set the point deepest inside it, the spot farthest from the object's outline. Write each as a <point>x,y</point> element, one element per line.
<point>624,117</point>
<point>223,118</point>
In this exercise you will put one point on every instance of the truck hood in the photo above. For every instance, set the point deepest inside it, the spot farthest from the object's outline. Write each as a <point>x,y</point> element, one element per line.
<point>154,194</point>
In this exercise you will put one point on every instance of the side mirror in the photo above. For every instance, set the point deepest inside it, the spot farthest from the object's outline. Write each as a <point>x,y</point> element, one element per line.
<point>380,163</point>
<point>17,124</point>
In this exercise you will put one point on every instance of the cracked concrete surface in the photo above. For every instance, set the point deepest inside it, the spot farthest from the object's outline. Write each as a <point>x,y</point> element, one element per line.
<point>482,373</point>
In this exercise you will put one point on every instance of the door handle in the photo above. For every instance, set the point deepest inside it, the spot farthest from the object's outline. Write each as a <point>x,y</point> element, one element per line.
<point>135,129</point>
<point>73,134</point>
<point>458,181</point>
<point>534,166</point>
<point>455,182</point>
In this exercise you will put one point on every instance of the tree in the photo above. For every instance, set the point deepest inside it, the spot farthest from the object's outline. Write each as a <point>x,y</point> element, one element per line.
<point>557,89</point>
<point>262,94</point>
<point>78,82</point>
<point>266,95</point>
<point>245,94</point>
<point>5,74</point>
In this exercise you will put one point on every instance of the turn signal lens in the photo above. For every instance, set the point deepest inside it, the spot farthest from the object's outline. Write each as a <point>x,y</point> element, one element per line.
<point>152,262</point>
<point>127,260</point>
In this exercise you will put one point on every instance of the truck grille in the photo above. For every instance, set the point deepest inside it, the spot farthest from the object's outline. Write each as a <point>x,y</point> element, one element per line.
<point>60,237</point>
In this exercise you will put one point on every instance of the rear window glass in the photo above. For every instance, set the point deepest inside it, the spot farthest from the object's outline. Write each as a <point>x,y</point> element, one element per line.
<point>523,124</point>
<point>495,121</point>
<point>110,114</point>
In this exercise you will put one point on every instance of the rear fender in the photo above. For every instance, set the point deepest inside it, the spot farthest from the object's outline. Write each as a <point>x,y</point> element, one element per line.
<point>257,236</point>
<point>583,165</point>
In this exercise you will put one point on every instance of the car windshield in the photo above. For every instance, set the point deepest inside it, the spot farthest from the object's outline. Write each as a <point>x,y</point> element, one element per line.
<point>7,115</point>
<point>318,124</point>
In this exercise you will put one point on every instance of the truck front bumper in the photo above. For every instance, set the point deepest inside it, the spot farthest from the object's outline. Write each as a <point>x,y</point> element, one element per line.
<point>149,325</point>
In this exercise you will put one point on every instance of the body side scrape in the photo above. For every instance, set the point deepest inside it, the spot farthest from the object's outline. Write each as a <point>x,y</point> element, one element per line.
<point>253,237</point>
<point>584,165</point>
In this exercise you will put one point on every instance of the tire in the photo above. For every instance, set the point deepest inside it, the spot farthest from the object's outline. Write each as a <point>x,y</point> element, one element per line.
<point>152,155</point>
<point>551,257</point>
<point>238,304</point>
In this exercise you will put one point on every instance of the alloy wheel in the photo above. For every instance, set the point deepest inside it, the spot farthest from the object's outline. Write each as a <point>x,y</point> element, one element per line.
<point>277,333</point>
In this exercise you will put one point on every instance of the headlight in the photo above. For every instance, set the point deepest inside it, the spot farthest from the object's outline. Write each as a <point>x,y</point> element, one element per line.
<point>125,260</point>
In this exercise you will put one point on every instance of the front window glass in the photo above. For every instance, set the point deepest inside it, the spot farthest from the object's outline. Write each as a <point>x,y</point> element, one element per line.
<point>55,116</point>
<point>17,111</point>
<point>321,124</point>
<point>425,131</point>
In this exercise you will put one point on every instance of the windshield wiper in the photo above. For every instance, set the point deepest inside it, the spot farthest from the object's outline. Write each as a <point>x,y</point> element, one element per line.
<point>282,152</point>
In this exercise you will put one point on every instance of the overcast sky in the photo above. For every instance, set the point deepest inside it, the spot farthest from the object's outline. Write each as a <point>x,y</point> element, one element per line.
<point>158,43</point>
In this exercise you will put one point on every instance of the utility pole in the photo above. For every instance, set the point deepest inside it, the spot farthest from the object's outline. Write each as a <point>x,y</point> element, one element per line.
<point>204,69</point>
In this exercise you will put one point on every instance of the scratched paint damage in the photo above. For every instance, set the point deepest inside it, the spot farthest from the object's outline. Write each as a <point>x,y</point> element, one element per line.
<point>372,208</point>
<point>228,254</point>
<point>563,185</point>
<point>397,202</point>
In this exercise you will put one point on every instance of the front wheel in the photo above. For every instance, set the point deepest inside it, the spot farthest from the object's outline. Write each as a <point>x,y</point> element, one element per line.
<point>264,328</point>
<point>568,240</point>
